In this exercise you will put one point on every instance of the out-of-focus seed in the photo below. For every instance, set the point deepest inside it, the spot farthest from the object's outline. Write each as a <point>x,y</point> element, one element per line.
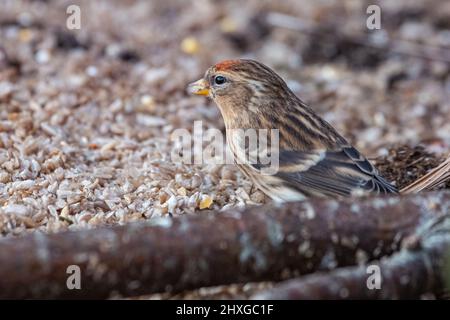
<point>205,202</point>
<point>190,45</point>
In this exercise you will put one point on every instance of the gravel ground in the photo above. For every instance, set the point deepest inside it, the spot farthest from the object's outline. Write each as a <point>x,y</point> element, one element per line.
<point>86,115</point>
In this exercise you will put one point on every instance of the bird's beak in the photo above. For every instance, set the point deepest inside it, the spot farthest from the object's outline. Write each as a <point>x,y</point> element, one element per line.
<point>199,87</point>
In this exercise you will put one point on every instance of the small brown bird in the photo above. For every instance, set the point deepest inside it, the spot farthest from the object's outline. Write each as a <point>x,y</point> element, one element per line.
<point>313,159</point>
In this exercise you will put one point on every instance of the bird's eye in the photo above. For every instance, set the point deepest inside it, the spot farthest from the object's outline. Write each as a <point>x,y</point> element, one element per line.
<point>220,80</point>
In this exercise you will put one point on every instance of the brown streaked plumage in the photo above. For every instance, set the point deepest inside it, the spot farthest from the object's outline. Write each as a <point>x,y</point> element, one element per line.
<point>314,160</point>
<point>432,179</point>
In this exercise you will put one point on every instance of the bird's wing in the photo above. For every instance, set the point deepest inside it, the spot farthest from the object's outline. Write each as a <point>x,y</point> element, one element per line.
<point>331,173</point>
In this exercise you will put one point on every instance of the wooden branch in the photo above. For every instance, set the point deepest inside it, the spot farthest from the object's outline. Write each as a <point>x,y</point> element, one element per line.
<point>420,268</point>
<point>250,244</point>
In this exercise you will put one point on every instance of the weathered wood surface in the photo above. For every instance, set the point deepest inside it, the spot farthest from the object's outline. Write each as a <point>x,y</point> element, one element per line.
<point>421,267</point>
<point>251,244</point>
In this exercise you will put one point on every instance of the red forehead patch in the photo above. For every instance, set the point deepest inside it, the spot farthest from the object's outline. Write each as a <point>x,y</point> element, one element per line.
<point>227,64</point>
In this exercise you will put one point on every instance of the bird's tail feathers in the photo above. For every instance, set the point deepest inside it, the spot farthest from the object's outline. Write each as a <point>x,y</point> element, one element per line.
<point>432,179</point>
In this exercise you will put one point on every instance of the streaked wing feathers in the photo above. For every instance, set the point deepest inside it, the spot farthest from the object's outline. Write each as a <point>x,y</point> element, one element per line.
<point>331,173</point>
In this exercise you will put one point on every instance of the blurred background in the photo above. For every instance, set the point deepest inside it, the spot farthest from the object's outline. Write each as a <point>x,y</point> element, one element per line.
<point>86,114</point>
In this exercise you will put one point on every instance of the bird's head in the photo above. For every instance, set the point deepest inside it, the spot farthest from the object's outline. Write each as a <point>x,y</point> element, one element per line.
<point>242,88</point>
